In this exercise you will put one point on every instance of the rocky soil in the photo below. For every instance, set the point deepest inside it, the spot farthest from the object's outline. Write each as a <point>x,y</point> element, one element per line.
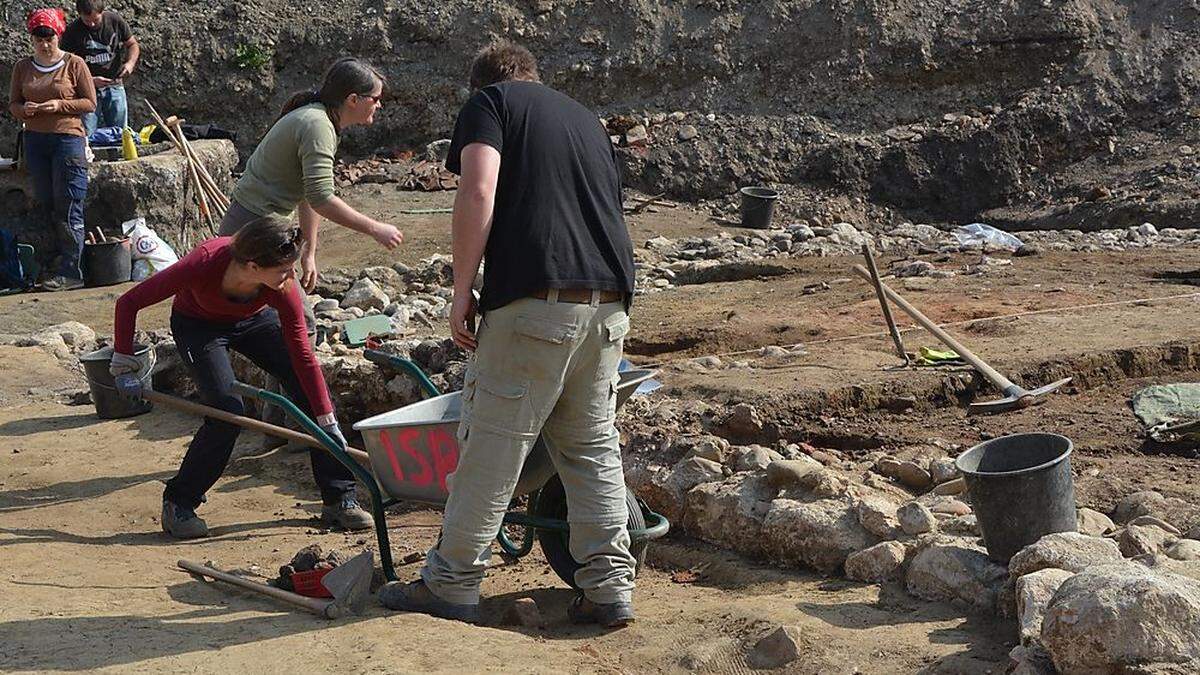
<point>1025,114</point>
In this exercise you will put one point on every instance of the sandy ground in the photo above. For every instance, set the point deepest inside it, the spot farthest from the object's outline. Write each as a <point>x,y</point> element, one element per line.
<point>89,581</point>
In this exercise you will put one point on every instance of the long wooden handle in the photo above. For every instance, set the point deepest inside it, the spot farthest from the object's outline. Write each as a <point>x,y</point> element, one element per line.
<point>247,423</point>
<point>1002,382</point>
<point>887,309</point>
<point>318,607</point>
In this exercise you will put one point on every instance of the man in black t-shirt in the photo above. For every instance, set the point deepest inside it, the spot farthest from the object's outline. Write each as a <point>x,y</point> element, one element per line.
<point>106,43</point>
<point>540,198</point>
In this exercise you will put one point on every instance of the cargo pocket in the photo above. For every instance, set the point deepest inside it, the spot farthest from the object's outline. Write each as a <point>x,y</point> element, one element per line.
<point>502,406</point>
<point>75,175</point>
<point>616,327</point>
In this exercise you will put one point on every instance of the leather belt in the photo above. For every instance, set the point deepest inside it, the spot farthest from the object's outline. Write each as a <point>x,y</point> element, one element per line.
<point>580,296</point>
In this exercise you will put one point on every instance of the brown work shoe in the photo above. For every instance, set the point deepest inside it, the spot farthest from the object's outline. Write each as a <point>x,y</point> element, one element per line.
<point>346,514</point>
<point>609,615</point>
<point>415,596</point>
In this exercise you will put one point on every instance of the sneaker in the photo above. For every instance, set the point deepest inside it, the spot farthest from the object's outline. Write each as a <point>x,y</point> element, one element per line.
<point>415,596</point>
<point>346,514</point>
<point>182,523</point>
<point>61,283</point>
<point>610,615</point>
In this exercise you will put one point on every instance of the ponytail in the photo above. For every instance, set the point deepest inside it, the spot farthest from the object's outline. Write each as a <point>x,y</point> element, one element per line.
<point>299,100</point>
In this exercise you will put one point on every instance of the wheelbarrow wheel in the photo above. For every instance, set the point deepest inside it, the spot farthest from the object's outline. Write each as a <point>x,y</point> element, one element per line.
<point>552,503</point>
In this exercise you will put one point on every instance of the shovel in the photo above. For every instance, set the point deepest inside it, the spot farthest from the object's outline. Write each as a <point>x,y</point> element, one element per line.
<point>1015,396</point>
<point>348,583</point>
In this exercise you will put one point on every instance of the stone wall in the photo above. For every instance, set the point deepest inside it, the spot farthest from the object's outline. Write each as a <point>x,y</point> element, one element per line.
<point>156,188</point>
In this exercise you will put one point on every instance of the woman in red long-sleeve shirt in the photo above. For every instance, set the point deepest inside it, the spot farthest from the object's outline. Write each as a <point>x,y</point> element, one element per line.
<point>236,293</point>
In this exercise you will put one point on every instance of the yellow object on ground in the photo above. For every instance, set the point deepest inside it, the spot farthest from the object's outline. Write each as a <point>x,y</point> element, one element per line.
<point>128,147</point>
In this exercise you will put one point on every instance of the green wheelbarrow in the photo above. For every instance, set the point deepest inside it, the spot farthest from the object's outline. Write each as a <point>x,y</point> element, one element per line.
<point>412,450</point>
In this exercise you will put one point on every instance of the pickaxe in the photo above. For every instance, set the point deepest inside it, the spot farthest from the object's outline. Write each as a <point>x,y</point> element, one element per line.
<point>348,583</point>
<point>1015,396</point>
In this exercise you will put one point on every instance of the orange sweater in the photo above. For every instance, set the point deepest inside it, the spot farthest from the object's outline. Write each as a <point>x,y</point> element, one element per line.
<point>71,83</point>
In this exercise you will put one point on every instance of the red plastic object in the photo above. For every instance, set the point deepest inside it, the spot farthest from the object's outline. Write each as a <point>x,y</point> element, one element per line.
<point>309,583</point>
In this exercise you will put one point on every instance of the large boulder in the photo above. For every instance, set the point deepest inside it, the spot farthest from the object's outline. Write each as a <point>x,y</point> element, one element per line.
<point>1093,523</point>
<point>730,513</point>
<point>666,490</point>
<point>1178,512</point>
<point>1033,595</point>
<point>365,294</point>
<point>1123,618</point>
<point>876,563</point>
<point>1069,551</point>
<point>1136,540</point>
<point>877,515</point>
<point>957,571</point>
<point>820,534</point>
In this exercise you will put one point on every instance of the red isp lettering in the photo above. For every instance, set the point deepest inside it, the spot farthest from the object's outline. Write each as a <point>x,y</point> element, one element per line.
<point>406,437</point>
<point>444,448</point>
<point>391,455</point>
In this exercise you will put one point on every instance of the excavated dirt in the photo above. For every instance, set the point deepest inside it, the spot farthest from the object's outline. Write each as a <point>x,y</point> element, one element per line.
<point>90,581</point>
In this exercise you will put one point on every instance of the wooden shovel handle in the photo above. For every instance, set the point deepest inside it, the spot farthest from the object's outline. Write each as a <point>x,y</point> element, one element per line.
<point>250,423</point>
<point>1002,382</point>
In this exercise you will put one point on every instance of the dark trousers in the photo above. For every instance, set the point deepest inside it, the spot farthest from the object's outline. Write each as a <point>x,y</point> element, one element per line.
<point>57,166</point>
<point>204,347</point>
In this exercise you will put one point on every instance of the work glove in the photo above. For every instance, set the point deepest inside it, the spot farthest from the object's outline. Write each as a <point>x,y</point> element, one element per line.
<point>335,432</point>
<point>129,386</point>
<point>123,364</point>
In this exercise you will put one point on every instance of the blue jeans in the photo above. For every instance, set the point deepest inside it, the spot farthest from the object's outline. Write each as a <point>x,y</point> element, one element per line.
<point>58,168</point>
<point>111,109</point>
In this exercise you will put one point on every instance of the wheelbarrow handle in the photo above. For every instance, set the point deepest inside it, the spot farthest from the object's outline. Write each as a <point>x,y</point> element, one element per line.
<point>392,361</point>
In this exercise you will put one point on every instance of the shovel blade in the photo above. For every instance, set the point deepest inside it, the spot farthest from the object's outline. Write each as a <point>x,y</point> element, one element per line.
<point>1017,401</point>
<point>350,582</point>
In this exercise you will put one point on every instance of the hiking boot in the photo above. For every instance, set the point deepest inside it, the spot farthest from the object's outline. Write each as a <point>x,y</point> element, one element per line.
<point>182,523</point>
<point>415,596</point>
<point>609,615</point>
<point>346,514</point>
<point>61,283</point>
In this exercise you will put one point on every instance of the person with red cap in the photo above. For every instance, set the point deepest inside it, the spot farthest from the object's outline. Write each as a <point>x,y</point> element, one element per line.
<point>49,92</point>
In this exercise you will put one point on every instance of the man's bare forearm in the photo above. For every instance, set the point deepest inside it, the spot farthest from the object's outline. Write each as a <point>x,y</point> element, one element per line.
<point>472,222</point>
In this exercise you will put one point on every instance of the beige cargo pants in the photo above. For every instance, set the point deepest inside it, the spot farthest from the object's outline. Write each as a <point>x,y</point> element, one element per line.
<point>548,367</point>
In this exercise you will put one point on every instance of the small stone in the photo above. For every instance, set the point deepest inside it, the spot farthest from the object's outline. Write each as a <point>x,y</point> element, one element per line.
<point>637,135</point>
<point>942,469</point>
<point>753,458</point>
<point>1156,522</point>
<point>910,474</point>
<point>877,515</point>
<point>950,506</point>
<point>325,305</point>
<point>710,362</point>
<point>525,612</point>
<point>965,526</point>
<point>1026,250</point>
<point>802,472</point>
<point>365,294</point>
<point>782,646</point>
<point>876,563</point>
<point>951,487</point>
<point>1136,540</point>
<point>1185,550</point>
<point>1069,551</point>
<point>1093,523</point>
<point>1147,230</point>
<point>916,519</point>
<point>687,132</point>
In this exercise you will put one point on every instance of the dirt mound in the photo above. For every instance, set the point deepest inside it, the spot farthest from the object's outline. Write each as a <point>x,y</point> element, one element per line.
<point>938,110</point>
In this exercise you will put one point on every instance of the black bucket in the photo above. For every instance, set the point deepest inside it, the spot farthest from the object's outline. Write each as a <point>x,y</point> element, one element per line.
<point>1021,489</point>
<point>109,404</point>
<point>107,263</point>
<point>758,203</point>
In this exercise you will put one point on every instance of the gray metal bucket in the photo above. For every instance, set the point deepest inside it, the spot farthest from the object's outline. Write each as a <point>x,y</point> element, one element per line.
<point>1021,489</point>
<point>109,404</point>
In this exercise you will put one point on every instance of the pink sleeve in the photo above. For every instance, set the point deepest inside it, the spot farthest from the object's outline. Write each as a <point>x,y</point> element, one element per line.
<point>290,305</point>
<point>154,290</point>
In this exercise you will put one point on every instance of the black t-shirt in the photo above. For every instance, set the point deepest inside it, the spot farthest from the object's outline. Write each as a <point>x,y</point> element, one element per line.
<point>102,47</point>
<point>558,221</point>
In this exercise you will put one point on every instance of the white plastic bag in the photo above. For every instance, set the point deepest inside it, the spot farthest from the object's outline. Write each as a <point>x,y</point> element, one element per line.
<point>978,233</point>
<point>150,253</point>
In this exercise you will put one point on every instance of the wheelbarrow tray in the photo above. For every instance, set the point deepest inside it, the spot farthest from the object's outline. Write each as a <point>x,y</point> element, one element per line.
<point>414,448</point>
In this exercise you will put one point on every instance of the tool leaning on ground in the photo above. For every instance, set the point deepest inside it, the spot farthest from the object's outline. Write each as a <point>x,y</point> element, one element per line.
<point>1016,397</point>
<point>348,583</point>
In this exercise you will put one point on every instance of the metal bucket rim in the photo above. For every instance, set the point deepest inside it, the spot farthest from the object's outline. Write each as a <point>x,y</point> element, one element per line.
<point>105,353</point>
<point>109,242</point>
<point>1017,472</point>
<point>760,192</point>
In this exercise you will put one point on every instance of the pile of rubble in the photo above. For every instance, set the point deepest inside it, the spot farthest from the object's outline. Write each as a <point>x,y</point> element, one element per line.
<point>664,263</point>
<point>1113,595</point>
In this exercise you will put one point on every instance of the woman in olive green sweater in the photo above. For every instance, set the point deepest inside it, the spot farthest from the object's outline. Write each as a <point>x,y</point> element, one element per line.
<point>292,167</point>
